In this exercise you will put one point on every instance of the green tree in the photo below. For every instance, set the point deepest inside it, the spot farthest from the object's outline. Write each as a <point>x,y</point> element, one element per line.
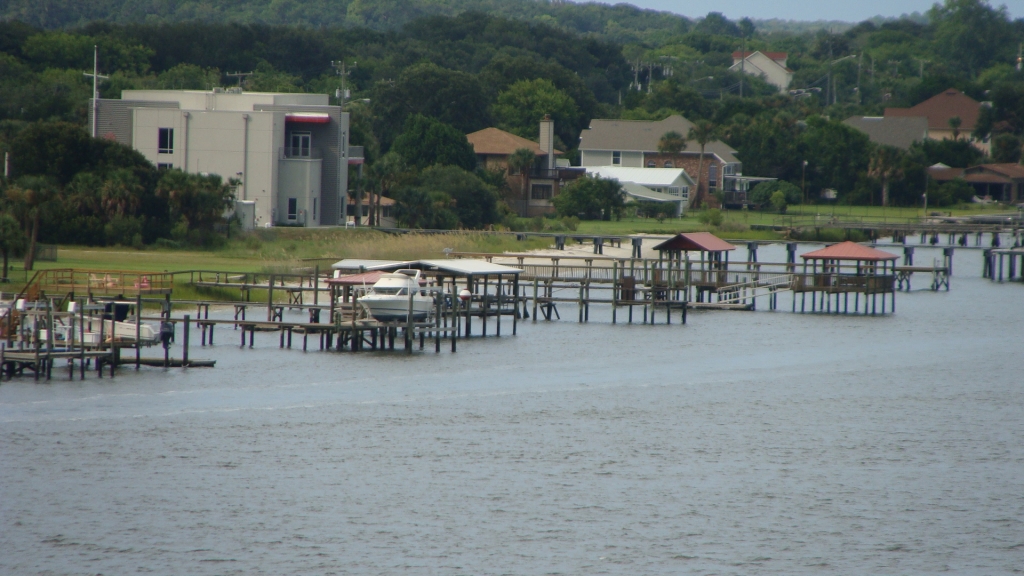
<point>121,194</point>
<point>520,108</point>
<point>31,197</point>
<point>590,199</point>
<point>885,166</point>
<point>671,143</point>
<point>970,33</point>
<point>837,155</point>
<point>197,200</point>
<point>762,193</point>
<point>521,162</point>
<point>778,201</point>
<point>386,172</point>
<point>11,239</point>
<point>702,132</point>
<point>473,202</point>
<point>427,141</point>
<point>452,97</point>
<point>1006,148</point>
<point>419,208</point>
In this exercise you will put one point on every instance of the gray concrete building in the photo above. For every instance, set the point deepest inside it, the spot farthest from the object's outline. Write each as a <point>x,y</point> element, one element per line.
<point>290,151</point>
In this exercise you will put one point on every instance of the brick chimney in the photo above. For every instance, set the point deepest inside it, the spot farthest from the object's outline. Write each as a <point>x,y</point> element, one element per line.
<point>547,140</point>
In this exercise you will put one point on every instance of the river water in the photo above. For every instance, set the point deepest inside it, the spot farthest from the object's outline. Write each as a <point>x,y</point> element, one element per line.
<point>742,443</point>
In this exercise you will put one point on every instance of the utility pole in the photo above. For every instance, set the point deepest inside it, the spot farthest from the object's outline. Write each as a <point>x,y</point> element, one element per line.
<point>95,80</point>
<point>860,62</point>
<point>343,71</point>
<point>921,62</point>
<point>743,67</point>
<point>240,75</point>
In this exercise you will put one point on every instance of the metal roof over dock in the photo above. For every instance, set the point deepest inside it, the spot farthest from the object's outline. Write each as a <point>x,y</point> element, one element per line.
<point>848,251</point>
<point>695,242</point>
<point>457,266</point>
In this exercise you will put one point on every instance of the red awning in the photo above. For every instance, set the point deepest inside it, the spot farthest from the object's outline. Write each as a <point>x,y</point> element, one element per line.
<point>695,242</point>
<point>848,251</point>
<point>308,117</point>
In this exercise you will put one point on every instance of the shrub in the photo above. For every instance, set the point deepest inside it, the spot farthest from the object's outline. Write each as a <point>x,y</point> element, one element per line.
<point>761,195</point>
<point>711,217</point>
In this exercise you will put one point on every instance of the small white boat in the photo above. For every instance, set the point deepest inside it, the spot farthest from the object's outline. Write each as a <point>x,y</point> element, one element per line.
<point>388,299</point>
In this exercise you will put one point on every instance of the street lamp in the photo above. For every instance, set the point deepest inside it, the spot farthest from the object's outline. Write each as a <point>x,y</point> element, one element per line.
<point>803,181</point>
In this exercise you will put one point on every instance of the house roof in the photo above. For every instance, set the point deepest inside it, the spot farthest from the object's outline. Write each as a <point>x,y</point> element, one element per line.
<point>773,55</point>
<point>641,192</point>
<point>941,107</point>
<point>645,176</point>
<point>1012,171</point>
<point>943,173</point>
<point>497,142</point>
<point>643,136</point>
<point>695,242</point>
<point>367,278</point>
<point>848,251</point>
<point>898,131</point>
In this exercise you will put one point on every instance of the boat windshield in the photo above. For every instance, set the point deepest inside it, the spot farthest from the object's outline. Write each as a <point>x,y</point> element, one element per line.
<point>391,291</point>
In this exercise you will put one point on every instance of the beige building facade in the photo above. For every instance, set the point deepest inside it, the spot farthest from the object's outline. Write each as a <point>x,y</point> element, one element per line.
<point>289,152</point>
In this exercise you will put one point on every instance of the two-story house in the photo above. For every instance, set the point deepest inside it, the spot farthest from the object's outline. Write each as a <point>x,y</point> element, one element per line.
<point>940,110</point>
<point>533,189</point>
<point>289,152</point>
<point>771,66</point>
<point>634,144</point>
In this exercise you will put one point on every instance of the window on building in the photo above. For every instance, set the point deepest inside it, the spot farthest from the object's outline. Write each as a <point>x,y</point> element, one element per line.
<point>652,164</point>
<point>668,164</point>
<point>300,144</point>
<point>540,192</point>
<point>713,176</point>
<point>616,158</point>
<point>166,141</point>
<point>727,170</point>
<point>293,208</point>
<point>385,212</point>
<point>164,166</point>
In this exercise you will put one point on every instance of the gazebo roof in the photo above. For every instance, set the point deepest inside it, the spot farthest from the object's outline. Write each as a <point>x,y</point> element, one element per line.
<point>848,251</point>
<point>695,242</point>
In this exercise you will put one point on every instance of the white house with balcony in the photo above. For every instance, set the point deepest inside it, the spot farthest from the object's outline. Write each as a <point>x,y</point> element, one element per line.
<point>290,152</point>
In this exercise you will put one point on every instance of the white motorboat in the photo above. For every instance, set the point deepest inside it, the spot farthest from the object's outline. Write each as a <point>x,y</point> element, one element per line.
<point>389,297</point>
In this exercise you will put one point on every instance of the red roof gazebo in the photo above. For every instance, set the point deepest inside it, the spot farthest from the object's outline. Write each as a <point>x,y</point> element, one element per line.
<point>873,273</point>
<point>701,242</point>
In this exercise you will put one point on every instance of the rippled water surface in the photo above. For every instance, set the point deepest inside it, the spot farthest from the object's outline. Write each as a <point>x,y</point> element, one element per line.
<point>741,443</point>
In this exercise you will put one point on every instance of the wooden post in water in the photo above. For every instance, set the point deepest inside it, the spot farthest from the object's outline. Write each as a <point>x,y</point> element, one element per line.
<point>184,342</point>
<point>138,331</point>
<point>316,285</point>
<point>270,299</point>
<point>536,283</point>
<point>515,311</point>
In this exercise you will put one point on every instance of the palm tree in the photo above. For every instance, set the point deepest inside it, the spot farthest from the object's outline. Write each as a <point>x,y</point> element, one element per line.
<point>702,132</point>
<point>671,143</point>
<point>120,194</point>
<point>885,165</point>
<point>386,172</point>
<point>11,238</point>
<point>521,161</point>
<point>30,197</point>
<point>954,123</point>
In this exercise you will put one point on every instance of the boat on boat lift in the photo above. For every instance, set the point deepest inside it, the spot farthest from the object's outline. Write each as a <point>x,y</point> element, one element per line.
<point>389,298</point>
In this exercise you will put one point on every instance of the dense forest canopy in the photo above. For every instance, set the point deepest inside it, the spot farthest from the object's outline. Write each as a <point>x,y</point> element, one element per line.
<point>470,64</point>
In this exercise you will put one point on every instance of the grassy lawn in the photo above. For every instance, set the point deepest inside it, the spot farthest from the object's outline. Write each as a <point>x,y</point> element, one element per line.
<point>737,222</point>
<point>277,250</point>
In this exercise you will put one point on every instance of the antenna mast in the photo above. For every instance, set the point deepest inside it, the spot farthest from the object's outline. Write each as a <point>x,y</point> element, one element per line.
<point>96,77</point>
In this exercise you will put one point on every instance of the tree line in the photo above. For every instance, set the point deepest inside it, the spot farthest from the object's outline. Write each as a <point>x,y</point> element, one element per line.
<point>447,75</point>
